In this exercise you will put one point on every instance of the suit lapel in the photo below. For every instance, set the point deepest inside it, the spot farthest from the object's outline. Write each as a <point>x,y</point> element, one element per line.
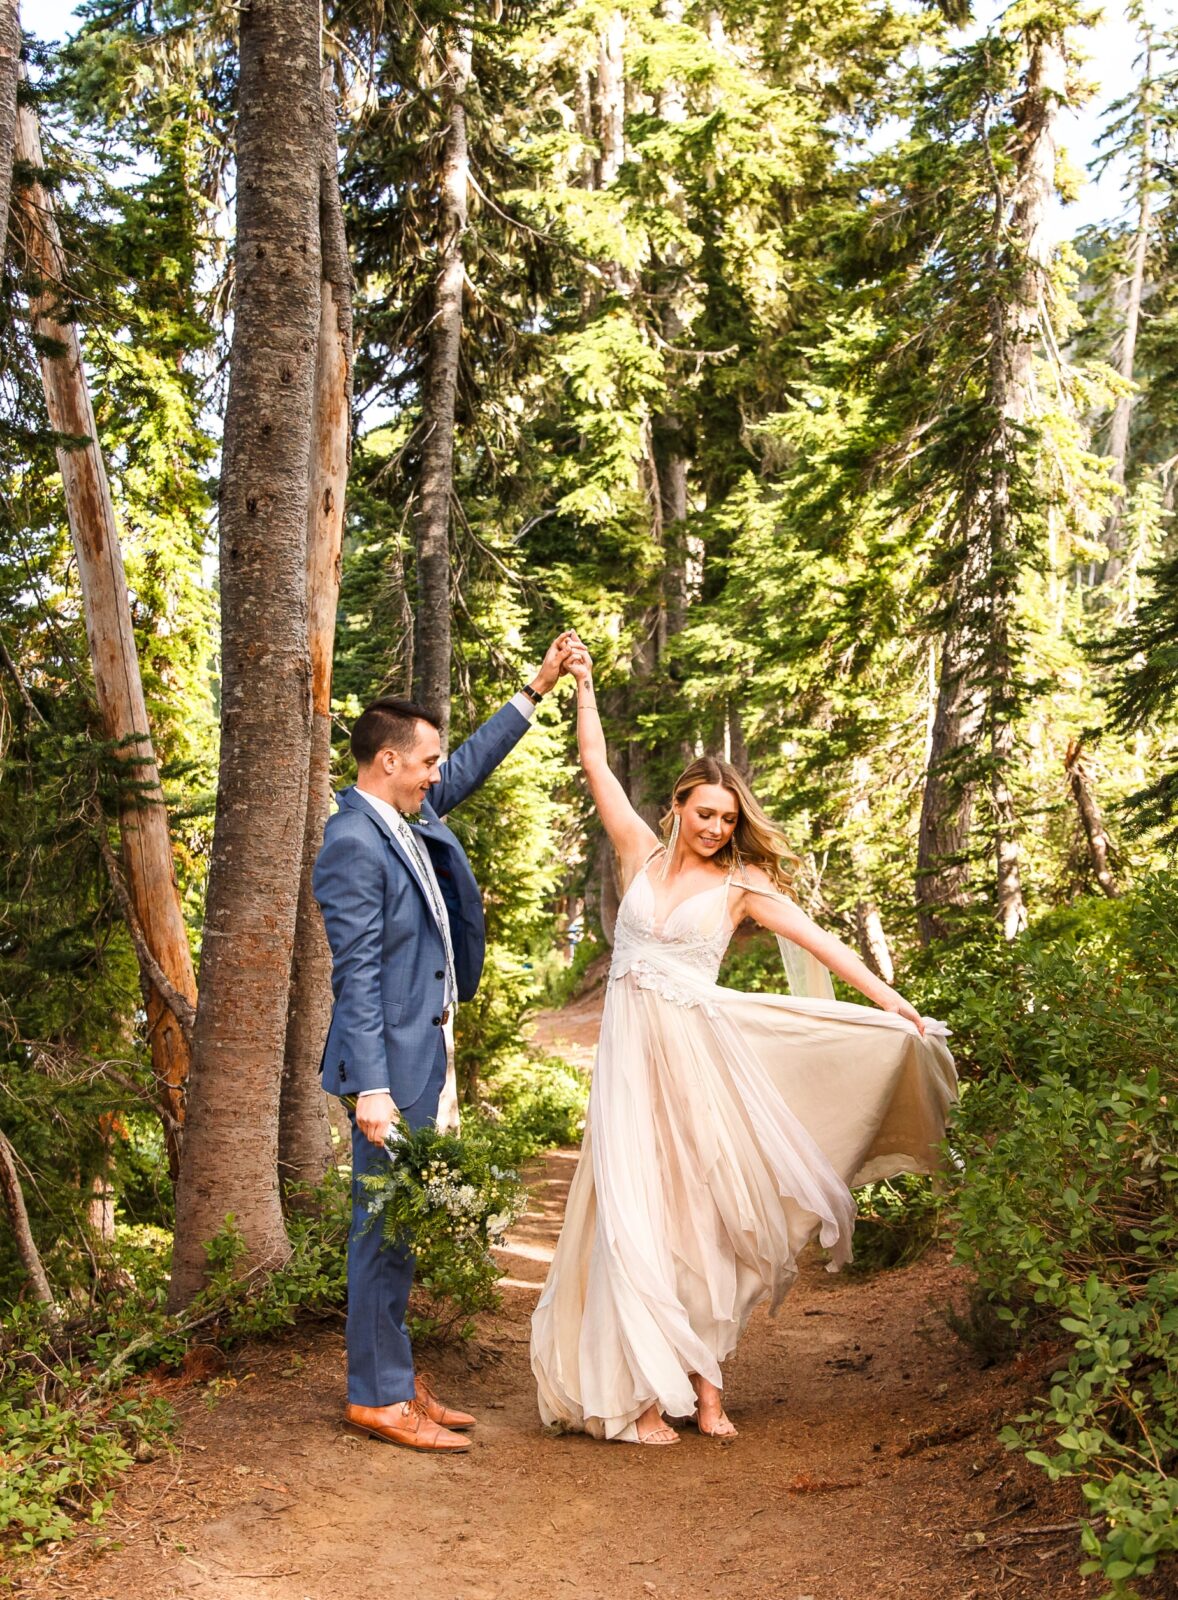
<point>351,801</point>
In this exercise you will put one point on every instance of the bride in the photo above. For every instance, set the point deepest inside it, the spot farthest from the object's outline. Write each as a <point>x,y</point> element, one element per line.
<point>724,1128</point>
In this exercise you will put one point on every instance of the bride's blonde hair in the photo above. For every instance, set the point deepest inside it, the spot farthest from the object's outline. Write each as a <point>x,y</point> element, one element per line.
<point>756,840</point>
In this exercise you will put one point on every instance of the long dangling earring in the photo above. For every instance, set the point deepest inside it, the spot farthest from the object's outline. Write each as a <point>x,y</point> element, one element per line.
<point>671,843</point>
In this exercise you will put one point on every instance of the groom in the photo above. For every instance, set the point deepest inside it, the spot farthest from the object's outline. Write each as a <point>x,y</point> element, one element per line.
<point>404,918</point>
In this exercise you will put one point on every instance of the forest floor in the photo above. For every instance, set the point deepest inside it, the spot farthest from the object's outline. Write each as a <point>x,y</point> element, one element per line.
<point>867,1466</point>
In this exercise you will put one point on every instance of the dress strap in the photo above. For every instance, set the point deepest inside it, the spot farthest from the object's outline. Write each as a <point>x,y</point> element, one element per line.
<point>754,888</point>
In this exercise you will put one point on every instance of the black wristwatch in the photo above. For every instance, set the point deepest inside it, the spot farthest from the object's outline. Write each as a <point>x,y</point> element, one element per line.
<point>533,695</point>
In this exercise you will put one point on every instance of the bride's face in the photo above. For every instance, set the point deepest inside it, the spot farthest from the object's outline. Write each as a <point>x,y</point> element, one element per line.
<point>707,819</point>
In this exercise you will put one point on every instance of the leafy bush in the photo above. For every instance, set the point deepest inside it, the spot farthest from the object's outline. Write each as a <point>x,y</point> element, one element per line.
<point>896,1223</point>
<point>71,1421</point>
<point>69,1426</point>
<point>561,980</point>
<point>1065,1201</point>
<point>541,1103</point>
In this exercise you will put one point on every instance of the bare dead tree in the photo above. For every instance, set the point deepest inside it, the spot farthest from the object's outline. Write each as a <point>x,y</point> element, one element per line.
<point>157,921</point>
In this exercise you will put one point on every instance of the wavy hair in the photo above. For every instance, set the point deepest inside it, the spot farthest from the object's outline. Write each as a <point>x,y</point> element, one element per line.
<point>756,840</point>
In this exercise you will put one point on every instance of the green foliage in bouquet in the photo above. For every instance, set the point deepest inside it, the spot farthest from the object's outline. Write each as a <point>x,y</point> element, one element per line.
<point>448,1199</point>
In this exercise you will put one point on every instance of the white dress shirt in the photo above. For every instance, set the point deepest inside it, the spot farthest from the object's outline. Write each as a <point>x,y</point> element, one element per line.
<point>420,861</point>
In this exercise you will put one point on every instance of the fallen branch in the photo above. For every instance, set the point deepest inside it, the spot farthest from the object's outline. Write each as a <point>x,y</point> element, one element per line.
<point>1002,1541</point>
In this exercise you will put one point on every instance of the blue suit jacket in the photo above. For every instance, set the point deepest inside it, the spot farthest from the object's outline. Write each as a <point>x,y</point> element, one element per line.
<point>388,960</point>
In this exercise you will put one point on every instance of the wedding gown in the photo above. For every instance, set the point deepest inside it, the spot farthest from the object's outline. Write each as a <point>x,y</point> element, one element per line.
<point>723,1131</point>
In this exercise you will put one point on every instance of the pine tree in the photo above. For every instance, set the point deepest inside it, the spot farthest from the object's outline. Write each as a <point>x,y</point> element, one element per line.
<point>230,1155</point>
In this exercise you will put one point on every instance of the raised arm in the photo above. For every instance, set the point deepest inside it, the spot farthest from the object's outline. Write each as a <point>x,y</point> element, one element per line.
<point>468,767</point>
<point>630,836</point>
<point>780,914</point>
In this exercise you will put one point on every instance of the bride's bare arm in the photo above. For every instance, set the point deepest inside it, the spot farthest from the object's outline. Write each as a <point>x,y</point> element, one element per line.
<point>780,914</point>
<point>632,838</point>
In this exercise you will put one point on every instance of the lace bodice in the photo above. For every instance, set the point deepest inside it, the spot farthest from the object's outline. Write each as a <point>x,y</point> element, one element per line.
<point>681,959</point>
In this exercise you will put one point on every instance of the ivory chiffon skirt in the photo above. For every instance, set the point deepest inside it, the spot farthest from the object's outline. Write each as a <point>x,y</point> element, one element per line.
<point>724,1131</point>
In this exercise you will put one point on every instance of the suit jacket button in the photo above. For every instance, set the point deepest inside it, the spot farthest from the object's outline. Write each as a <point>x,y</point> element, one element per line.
<point>439,974</point>
<point>437,1022</point>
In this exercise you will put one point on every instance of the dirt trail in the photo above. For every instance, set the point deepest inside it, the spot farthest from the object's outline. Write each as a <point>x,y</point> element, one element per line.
<point>866,1468</point>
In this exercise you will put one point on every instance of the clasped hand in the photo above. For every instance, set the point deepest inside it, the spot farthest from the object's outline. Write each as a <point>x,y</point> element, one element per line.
<point>375,1115</point>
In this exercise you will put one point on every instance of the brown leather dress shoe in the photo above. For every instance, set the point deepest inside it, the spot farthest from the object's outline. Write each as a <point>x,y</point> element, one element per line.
<point>406,1423</point>
<point>438,1410</point>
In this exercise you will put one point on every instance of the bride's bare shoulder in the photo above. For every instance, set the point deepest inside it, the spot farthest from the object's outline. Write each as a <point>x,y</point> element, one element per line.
<point>751,877</point>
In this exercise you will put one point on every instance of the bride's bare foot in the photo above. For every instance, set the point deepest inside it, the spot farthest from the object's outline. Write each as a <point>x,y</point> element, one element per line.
<point>653,1430</point>
<point>709,1410</point>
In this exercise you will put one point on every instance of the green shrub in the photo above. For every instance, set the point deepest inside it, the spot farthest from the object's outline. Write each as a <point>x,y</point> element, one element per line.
<point>897,1222</point>
<point>1064,1196</point>
<point>69,1425</point>
<point>59,1462</point>
<point>541,1102</point>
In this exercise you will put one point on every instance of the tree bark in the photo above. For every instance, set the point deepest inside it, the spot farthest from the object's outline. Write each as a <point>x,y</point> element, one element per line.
<point>1015,328</point>
<point>18,1218</point>
<point>143,819</point>
<point>231,1146</point>
<point>304,1130</point>
<point>1118,440</point>
<point>611,100</point>
<point>873,941</point>
<point>9,80</point>
<point>738,750</point>
<point>670,434</point>
<point>1097,839</point>
<point>946,811</point>
<point>100,1210</point>
<point>432,648</point>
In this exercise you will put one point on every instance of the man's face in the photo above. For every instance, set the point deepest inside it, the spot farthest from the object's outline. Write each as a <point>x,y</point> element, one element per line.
<point>406,775</point>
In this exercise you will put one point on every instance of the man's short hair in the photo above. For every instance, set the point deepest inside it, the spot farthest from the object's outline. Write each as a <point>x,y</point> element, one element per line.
<point>388,724</point>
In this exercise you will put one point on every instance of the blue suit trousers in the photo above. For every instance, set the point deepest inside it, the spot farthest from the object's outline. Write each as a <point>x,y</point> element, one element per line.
<point>380,1276</point>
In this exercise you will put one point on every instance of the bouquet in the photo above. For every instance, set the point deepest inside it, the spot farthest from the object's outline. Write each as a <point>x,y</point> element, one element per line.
<point>445,1197</point>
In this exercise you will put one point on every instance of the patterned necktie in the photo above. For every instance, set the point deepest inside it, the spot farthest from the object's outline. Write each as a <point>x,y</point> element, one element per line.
<point>430,882</point>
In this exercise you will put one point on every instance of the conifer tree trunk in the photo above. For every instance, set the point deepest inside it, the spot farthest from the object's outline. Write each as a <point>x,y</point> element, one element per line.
<point>873,941</point>
<point>304,1132</point>
<point>977,690</point>
<point>18,1220</point>
<point>1014,329</point>
<point>9,79</point>
<point>432,649</point>
<point>671,455</point>
<point>1118,439</point>
<point>738,750</point>
<point>143,820</point>
<point>231,1146</point>
<point>1095,834</point>
<point>611,99</point>
<point>100,1211</point>
<point>946,811</point>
